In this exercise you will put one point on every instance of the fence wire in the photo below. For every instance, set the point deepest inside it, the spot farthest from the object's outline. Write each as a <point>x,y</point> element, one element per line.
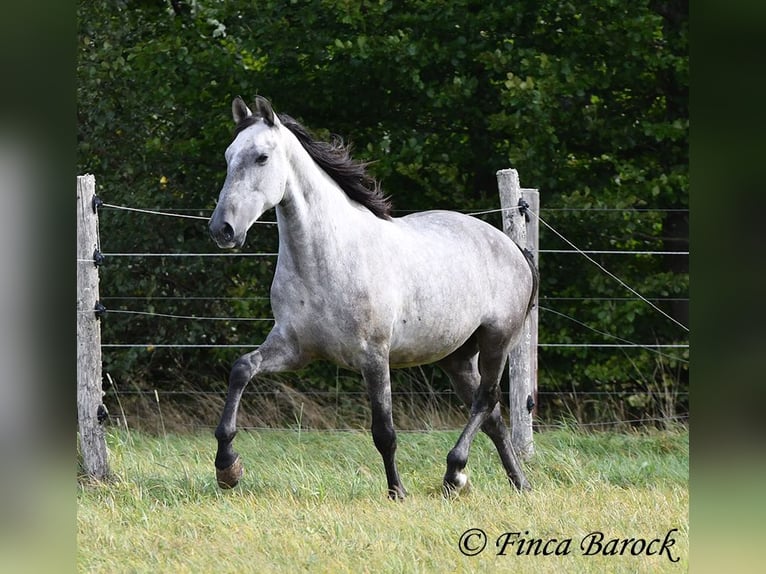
<point>620,344</point>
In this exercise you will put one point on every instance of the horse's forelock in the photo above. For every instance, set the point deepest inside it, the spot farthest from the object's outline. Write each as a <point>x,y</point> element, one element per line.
<point>245,123</point>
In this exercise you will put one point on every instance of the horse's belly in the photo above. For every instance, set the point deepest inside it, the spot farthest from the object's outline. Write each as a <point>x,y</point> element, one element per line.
<point>423,342</point>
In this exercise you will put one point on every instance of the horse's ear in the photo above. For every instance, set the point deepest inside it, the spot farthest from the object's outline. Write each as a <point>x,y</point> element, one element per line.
<point>239,110</point>
<point>263,108</point>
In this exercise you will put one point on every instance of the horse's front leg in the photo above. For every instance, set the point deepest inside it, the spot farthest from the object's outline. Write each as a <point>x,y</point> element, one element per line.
<point>378,378</point>
<point>276,354</point>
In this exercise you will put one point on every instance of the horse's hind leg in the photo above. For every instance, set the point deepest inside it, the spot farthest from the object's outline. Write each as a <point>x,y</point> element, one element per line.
<point>496,429</point>
<point>462,369</point>
<point>276,354</point>
<point>378,379</point>
<point>481,395</point>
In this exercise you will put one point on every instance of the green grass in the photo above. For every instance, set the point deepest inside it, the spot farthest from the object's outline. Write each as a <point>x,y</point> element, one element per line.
<point>315,502</point>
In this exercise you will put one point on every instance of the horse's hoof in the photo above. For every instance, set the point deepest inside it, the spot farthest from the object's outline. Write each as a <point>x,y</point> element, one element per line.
<point>521,485</point>
<point>229,477</point>
<point>453,487</point>
<point>397,494</point>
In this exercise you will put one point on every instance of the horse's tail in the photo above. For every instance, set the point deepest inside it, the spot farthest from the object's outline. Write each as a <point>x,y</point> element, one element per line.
<point>535,276</point>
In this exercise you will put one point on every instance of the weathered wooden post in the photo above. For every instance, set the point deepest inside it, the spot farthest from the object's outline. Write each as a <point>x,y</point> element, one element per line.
<point>532,197</point>
<point>90,410</point>
<point>522,371</point>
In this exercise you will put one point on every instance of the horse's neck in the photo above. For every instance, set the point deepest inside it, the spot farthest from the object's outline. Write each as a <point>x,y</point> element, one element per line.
<point>315,218</point>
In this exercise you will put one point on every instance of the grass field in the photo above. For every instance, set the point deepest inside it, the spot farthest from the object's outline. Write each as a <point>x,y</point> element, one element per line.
<point>315,502</point>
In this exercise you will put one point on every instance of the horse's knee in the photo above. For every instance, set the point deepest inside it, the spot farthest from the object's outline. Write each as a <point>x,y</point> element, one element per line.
<point>241,372</point>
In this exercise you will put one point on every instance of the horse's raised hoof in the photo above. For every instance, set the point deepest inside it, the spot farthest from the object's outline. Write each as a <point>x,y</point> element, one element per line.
<point>451,488</point>
<point>229,477</point>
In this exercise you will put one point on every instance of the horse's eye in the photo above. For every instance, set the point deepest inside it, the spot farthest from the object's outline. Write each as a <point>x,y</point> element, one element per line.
<point>261,159</point>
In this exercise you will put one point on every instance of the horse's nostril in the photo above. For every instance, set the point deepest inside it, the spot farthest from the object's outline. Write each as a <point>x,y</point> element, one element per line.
<point>227,232</point>
<point>221,234</point>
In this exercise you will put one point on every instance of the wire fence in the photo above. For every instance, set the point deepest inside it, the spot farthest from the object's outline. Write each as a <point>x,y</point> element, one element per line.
<point>410,406</point>
<point>613,342</point>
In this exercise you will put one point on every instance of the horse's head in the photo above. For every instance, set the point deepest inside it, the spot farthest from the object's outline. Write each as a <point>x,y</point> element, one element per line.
<point>255,174</point>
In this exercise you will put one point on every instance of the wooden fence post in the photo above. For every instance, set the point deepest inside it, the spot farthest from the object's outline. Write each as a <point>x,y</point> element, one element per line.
<point>532,197</point>
<point>520,368</point>
<point>89,392</point>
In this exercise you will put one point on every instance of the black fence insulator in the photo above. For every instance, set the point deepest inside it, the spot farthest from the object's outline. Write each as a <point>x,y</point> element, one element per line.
<point>98,258</point>
<point>100,309</point>
<point>102,413</point>
<point>96,203</point>
<point>530,403</point>
<point>523,207</point>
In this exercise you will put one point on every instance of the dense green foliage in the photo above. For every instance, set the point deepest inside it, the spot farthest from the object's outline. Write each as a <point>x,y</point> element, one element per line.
<point>587,100</point>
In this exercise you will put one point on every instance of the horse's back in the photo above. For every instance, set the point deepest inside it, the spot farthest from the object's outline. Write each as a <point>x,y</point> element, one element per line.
<point>462,245</point>
<point>454,274</point>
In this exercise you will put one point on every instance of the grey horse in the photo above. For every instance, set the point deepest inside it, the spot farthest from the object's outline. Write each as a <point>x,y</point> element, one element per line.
<point>368,291</point>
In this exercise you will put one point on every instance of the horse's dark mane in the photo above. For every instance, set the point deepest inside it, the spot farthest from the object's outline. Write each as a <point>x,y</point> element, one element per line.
<point>334,158</point>
<point>352,177</point>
